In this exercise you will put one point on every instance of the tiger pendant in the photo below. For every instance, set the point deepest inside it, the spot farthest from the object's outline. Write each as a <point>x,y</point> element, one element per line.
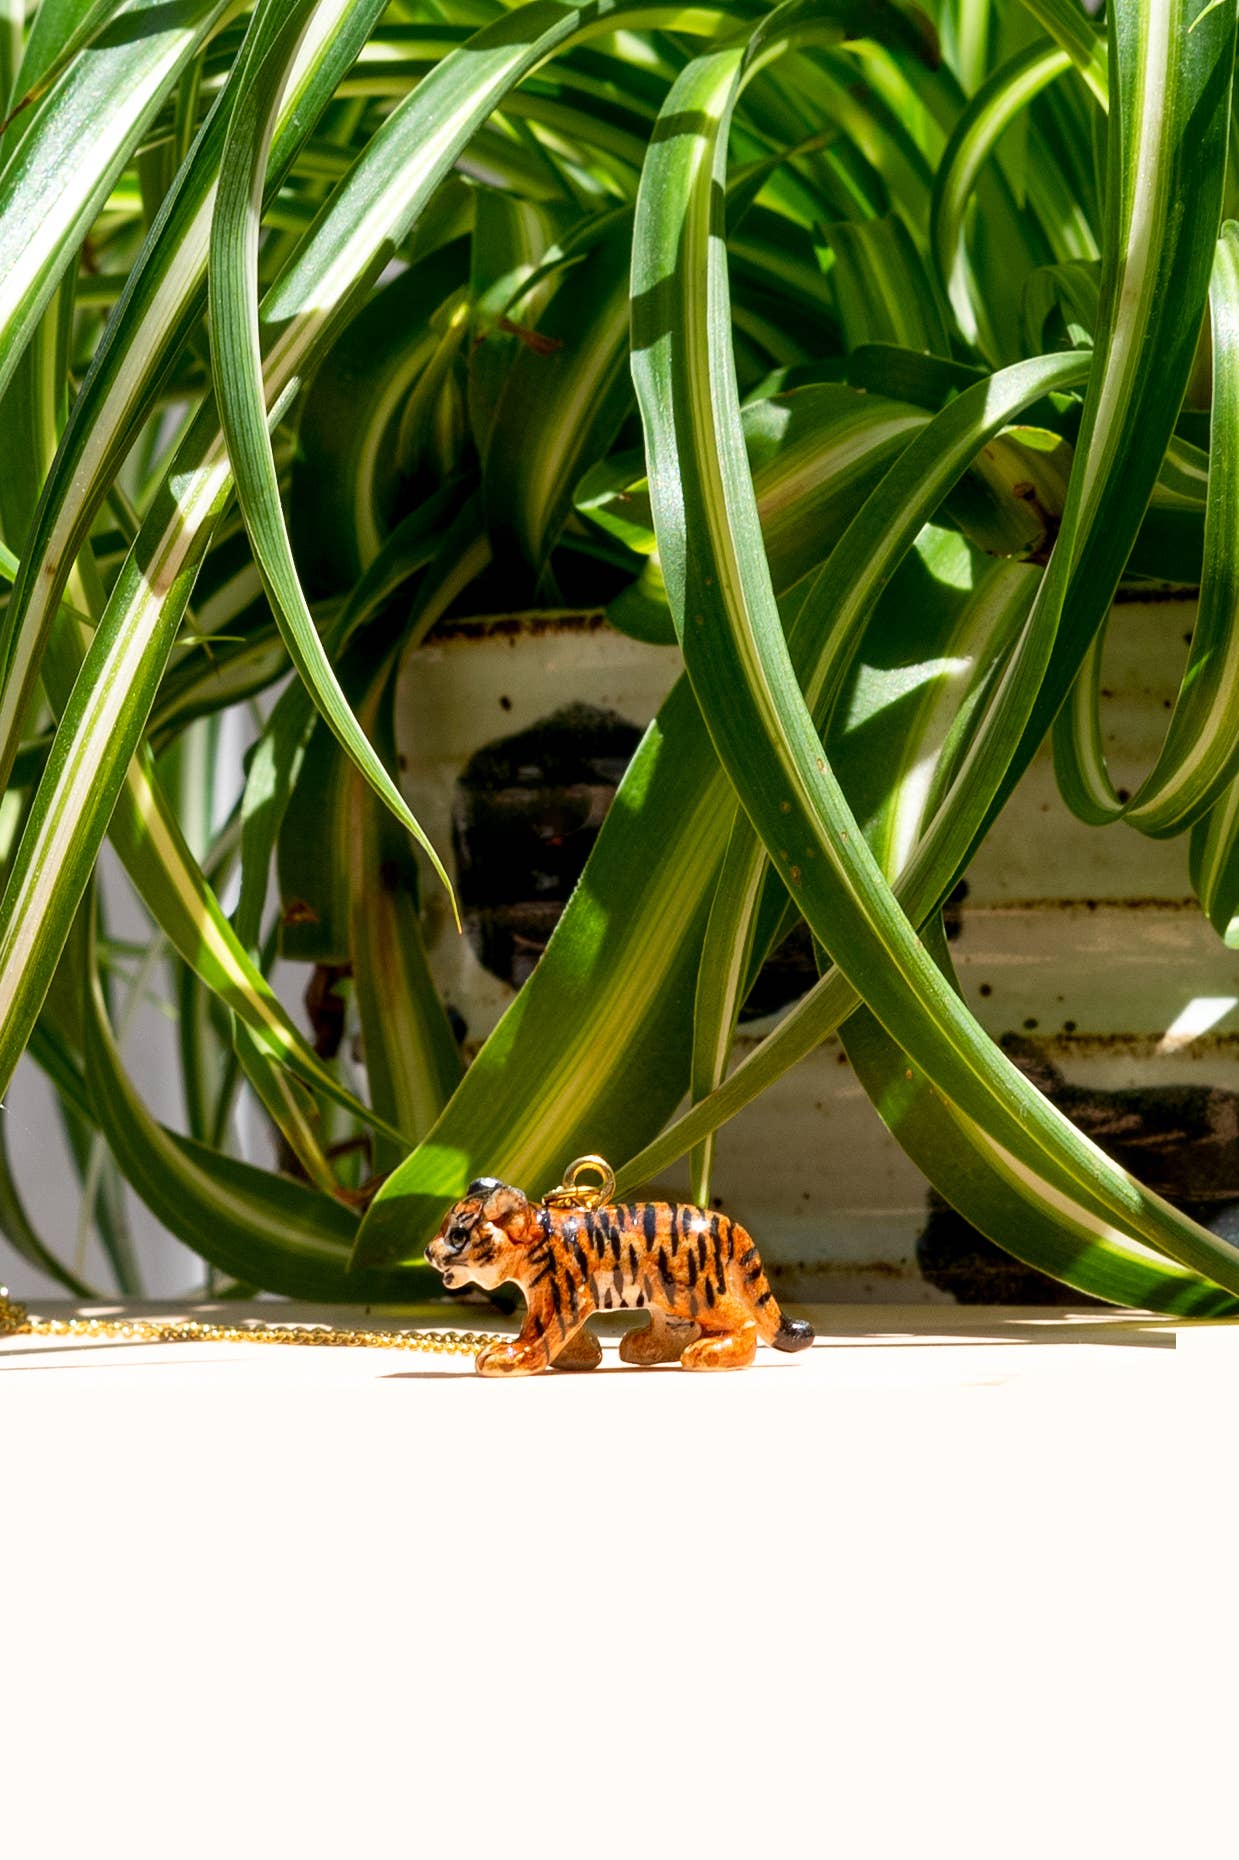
<point>699,1275</point>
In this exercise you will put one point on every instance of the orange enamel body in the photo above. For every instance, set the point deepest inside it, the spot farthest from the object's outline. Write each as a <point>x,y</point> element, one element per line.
<point>698,1274</point>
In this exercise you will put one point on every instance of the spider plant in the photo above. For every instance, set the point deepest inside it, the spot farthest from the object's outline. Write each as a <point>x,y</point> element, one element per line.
<point>827,339</point>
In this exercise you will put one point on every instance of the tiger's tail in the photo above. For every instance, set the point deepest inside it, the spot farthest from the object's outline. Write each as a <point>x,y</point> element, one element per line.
<point>780,1332</point>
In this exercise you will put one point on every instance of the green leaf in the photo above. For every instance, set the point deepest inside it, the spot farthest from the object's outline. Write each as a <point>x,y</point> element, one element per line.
<point>259,1227</point>
<point>21,1234</point>
<point>278,756</point>
<point>883,290</point>
<point>989,114</point>
<point>1214,865</point>
<point>563,400</point>
<point>412,1061</point>
<point>1069,26</point>
<point>1199,756</point>
<point>1044,1228</point>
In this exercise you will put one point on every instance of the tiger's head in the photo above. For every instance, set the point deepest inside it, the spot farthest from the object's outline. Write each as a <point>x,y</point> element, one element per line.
<point>483,1238</point>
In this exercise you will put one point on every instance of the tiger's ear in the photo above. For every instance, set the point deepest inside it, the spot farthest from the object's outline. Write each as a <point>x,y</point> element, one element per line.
<point>507,1208</point>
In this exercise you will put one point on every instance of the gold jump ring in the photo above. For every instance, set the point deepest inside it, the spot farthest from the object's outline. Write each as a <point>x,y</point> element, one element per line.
<point>571,1193</point>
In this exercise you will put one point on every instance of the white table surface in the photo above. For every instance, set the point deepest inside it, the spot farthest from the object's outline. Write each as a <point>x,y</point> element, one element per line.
<point>954,1581</point>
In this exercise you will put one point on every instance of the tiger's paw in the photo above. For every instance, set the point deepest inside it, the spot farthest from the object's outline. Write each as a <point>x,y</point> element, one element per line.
<point>580,1352</point>
<point>663,1340</point>
<point>734,1349</point>
<point>508,1359</point>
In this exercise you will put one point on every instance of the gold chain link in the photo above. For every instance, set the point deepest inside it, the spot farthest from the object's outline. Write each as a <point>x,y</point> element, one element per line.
<point>16,1321</point>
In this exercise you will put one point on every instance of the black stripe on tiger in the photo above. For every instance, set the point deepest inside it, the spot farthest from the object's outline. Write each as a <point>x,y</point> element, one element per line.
<point>578,1253</point>
<point>649,1223</point>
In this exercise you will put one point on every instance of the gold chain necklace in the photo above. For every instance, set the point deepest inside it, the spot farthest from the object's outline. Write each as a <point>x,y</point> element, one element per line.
<point>16,1321</point>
